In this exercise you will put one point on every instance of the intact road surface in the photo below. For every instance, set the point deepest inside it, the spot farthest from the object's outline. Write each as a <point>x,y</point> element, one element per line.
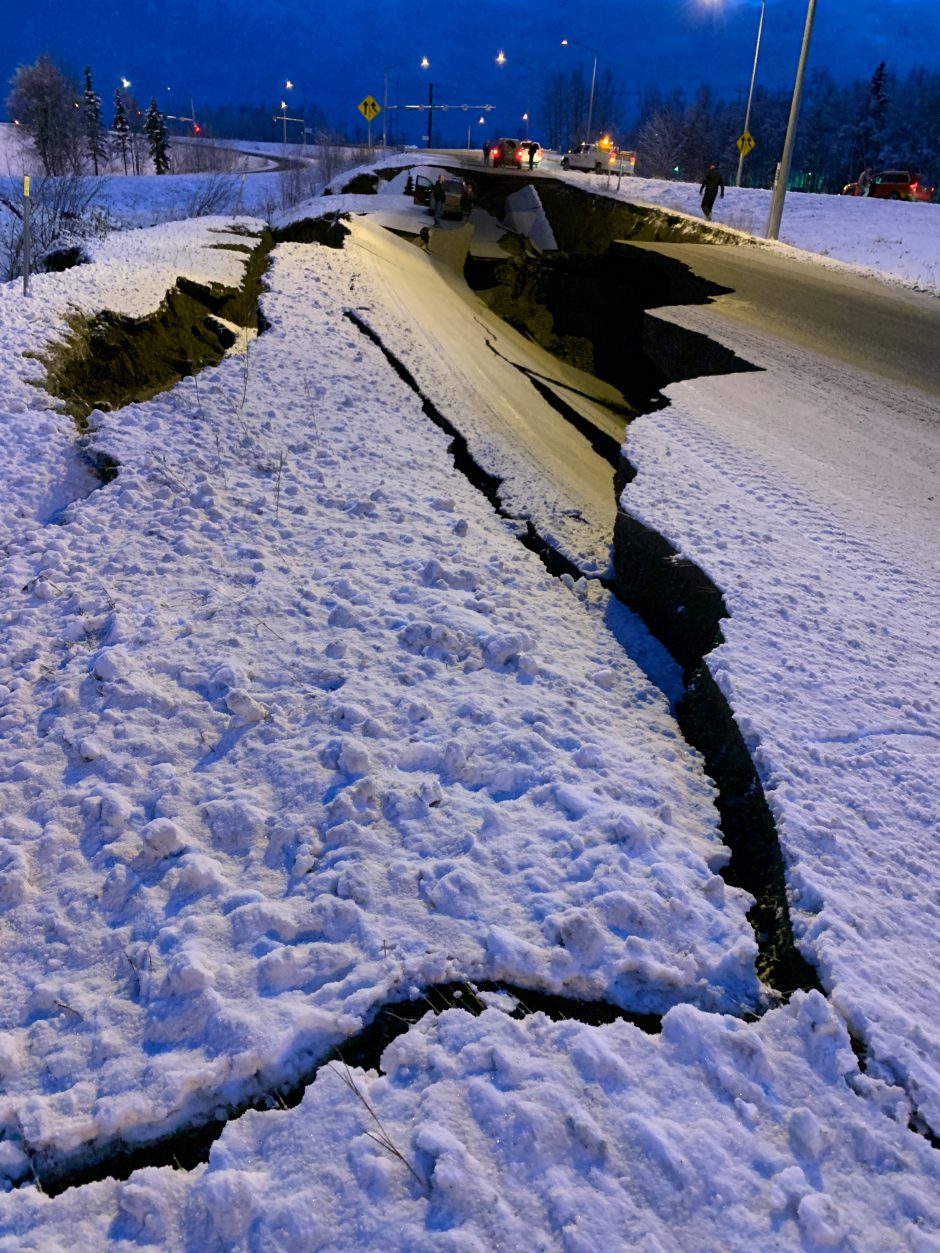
<point>890,332</point>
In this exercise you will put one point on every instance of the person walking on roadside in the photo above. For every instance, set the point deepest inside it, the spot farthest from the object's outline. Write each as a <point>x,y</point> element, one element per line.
<point>487,149</point>
<point>438,196</point>
<point>533,149</point>
<point>712,183</point>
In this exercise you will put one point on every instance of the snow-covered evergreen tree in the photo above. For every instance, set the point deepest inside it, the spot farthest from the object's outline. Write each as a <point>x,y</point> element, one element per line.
<point>121,128</point>
<point>873,128</point>
<point>95,147</point>
<point>155,126</point>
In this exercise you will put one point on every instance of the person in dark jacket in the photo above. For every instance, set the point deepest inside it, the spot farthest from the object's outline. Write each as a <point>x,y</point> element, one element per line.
<point>712,183</point>
<point>533,149</point>
<point>438,197</point>
<point>487,149</point>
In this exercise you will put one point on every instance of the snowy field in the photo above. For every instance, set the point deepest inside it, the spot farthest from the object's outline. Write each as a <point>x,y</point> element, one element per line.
<point>292,727</point>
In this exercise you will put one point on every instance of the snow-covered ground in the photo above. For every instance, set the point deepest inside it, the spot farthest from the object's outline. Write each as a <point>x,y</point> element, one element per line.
<point>293,727</point>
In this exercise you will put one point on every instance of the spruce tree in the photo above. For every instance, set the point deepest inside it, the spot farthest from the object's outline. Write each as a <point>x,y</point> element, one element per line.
<point>95,147</point>
<point>873,129</point>
<point>122,131</point>
<point>155,127</point>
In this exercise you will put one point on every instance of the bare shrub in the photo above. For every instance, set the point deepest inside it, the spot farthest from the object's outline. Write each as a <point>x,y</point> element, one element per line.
<point>333,157</point>
<point>216,194</point>
<point>298,182</point>
<point>62,211</point>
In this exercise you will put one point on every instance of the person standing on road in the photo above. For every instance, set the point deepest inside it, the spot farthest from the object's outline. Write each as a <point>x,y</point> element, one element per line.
<point>487,149</point>
<point>865,180</point>
<point>438,196</point>
<point>712,183</point>
<point>533,149</point>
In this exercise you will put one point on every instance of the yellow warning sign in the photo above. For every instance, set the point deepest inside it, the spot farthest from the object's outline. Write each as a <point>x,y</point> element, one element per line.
<point>369,108</point>
<point>745,143</point>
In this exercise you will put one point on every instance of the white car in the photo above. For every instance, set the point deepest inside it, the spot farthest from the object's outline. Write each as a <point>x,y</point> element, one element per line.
<point>590,157</point>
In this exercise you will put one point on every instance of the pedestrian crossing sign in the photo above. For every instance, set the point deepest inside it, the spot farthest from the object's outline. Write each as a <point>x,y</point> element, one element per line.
<point>745,143</point>
<point>369,108</point>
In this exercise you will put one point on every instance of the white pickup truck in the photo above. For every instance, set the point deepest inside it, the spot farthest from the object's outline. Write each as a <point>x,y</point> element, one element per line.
<point>589,157</point>
<point>600,158</point>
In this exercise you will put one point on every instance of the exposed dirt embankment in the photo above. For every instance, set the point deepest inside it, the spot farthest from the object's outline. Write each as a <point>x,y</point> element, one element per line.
<point>593,311</point>
<point>110,360</point>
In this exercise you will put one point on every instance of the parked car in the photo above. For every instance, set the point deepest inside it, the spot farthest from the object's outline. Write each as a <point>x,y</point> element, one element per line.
<point>515,152</point>
<point>594,157</point>
<point>895,185</point>
<point>456,202</point>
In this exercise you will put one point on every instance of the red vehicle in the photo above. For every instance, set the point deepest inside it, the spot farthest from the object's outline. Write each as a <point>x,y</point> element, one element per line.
<point>894,185</point>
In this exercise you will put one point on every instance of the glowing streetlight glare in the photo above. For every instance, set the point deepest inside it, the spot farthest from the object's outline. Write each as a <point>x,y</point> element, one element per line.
<point>425,63</point>
<point>288,84</point>
<point>125,83</point>
<point>283,104</point>
<point>500,58</point>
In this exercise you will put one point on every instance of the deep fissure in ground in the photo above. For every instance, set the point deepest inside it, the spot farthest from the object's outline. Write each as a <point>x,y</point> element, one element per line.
<point>189,1146</point>
<point>683,609</point>
<point>592,332</point>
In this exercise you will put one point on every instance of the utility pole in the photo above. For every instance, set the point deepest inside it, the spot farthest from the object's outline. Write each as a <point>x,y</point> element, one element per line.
<point>783,170</point>
<point>430,109</point>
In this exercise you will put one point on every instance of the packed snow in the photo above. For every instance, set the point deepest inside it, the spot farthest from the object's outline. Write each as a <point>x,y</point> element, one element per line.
<point>293,727</point>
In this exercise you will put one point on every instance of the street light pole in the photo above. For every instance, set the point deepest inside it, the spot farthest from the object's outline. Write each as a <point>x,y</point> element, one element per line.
<point>750,94</point>
<point>591,100</point>
<point>590,125</point>
<point>385,101</point>
<point>430,109</point>
<point>783,170</point>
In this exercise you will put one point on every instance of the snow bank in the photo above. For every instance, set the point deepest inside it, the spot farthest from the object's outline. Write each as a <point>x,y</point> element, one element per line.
<point>493,1134</point>
<point>133,272</point>
<point>292,726</point>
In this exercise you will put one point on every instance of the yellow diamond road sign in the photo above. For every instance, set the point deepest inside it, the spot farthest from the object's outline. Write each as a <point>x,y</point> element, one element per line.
<point>369,108</point>
<point>745,143</point>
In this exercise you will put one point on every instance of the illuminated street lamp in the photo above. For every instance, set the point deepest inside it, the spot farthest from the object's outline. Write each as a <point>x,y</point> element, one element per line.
<point>502,59</point>
<point>783,169</point>
<point>426,65</point>
<point>481,122</point>
<point>565,43</point>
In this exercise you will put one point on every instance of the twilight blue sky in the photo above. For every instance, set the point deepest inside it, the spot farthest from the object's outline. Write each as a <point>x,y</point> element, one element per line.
<point>228,51</point>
